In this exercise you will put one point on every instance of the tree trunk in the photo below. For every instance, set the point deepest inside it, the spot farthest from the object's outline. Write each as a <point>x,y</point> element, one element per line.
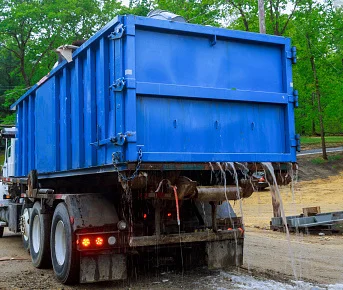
<point>261,16</point>
<point>313,122</point>
<point>318,95</point>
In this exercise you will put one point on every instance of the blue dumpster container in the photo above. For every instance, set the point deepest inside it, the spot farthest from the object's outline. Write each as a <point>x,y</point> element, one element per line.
<point>179,92</point>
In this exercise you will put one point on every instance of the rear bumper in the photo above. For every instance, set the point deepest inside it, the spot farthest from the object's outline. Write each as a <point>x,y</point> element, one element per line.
<point>185,238</point>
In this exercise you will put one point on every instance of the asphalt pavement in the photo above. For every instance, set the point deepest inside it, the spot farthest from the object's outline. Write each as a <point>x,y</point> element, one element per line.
<point>319,151</point>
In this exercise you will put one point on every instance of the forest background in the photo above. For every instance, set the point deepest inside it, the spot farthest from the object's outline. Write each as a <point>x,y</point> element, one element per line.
<point>31,30</point>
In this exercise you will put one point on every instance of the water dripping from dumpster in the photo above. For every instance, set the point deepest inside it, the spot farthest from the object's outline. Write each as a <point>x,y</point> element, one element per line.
<point>204,212</point>
<point>127,206</point>
<point>268,167</point>
<point>291,173</point>
<point>179,226</point>
<point>228,204</point>
<point>238,194</point>
<point>212,172</point>
<point>298,234</point>
<point>245,171</point>
<point>225,193</point>
<point>235,176</point>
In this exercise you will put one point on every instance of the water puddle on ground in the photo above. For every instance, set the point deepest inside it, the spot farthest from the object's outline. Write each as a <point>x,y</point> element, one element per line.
<point>226,280</point>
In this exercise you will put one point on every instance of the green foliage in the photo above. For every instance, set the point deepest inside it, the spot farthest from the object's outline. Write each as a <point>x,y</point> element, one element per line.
<point>335,157</point>
<point>2,158</point>
<point>316,30</point>
<point>30,31</point>
<point>318,161</point>
<point>316,140</point>
<point>331,158</point>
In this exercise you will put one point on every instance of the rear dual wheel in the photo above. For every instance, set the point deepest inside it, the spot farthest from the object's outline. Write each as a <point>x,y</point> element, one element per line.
<point>52,242</point>
<point>64,255</point>
<point>39,237</point>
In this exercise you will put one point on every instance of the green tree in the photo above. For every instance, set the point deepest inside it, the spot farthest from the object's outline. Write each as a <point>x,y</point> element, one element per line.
<point>315,28</point>
<point>30,31</point>
<point>318,71</point>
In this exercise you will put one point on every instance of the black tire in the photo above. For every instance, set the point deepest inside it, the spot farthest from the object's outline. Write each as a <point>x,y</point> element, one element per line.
<point>67,265</point>
<point>25,238</point>
<point>1,231</point>
<point>40,225</point>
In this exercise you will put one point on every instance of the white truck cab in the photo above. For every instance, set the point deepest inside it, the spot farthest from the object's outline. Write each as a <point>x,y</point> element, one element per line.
<point>8,168</point>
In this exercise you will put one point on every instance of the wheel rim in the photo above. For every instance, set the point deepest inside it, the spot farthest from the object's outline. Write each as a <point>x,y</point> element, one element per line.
<point>36,234</point>
<point>26,224</point>
<point>60,243</point>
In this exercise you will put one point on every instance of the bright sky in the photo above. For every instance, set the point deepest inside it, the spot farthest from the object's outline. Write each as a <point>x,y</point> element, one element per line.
<point>338,2</point>
<point>125,2</point>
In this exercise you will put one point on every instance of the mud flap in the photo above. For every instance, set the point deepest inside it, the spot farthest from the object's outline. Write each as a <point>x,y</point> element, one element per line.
<point>224,254</point>
<point>102,267</point>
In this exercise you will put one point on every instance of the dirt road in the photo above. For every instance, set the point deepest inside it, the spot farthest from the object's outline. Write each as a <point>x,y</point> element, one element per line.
<point>315,258</point>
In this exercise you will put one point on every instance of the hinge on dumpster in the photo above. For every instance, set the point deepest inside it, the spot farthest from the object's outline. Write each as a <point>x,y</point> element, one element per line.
<point>296,142</point>
<point>294,99</point>
<point>118,32</point>
<point>119,139</point>
<point>213,41</point>
<point>119,85</point>
<point>293,54</point>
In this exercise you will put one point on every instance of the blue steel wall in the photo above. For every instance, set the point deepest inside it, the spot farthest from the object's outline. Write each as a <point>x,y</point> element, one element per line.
<point>58,120</point>
<point>193,94</point>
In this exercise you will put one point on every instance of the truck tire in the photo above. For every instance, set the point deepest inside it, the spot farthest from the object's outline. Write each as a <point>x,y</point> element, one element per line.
<point>39,236</point>
<point>65,259</point>
<point>25,235</point>
<point>1,231</point>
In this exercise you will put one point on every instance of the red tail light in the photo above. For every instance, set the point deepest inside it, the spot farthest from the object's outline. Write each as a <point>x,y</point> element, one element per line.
<point>169,214</point>
<point>145,216</point>
<point>85,242</point>
<point>99,241</point>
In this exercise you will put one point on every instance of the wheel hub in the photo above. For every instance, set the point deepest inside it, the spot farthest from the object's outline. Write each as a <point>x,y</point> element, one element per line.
<point>36,233</point>
<point>60,243</point>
